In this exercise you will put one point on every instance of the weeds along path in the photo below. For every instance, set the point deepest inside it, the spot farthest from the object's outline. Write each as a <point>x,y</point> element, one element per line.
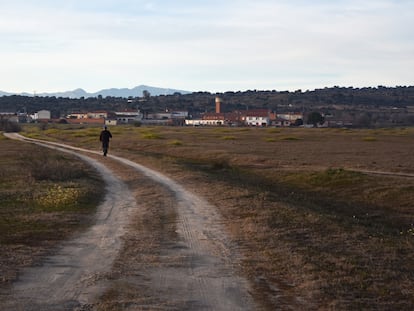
<point>73,276</point>
<point>198,272</point>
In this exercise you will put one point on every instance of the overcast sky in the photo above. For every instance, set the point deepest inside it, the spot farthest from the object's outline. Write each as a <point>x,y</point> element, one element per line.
<point>205,45</point>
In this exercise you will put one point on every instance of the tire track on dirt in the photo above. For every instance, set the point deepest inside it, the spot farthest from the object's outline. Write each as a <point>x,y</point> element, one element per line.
<point>204,273</point>
<point>200,271</point>
<point>74,275</point>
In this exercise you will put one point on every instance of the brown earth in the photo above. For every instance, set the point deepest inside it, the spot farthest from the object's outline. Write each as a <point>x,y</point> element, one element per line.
<point>310,245</point>
<point>175,254</point>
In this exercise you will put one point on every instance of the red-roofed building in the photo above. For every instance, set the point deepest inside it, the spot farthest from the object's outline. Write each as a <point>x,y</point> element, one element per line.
<point>257,117</point>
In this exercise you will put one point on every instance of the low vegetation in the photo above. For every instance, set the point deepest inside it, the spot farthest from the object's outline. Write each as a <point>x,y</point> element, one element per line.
<point>322,217</point>
<point>45,196</point>
<point>8,126</point>
<point>151,135</point>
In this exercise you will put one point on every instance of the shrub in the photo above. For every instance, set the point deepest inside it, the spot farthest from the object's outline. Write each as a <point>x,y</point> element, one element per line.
<point>8,126</point>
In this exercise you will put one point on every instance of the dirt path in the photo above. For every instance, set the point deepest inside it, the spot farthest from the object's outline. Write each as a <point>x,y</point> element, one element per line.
<point>70,277</point>
<point>200,270</point>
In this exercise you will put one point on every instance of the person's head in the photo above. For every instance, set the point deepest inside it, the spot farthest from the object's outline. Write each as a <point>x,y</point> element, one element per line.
<point>105,127</point>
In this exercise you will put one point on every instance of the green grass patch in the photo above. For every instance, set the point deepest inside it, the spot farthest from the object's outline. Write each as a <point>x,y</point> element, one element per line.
<point>33,135</point>
<point>89,132</point>
<point>228,137</point>
<point>151,135</point>
<point>335,178</point>
<point>243,129</point>
<point>369,138</point>
<point>58,197</point>
<point>273,130</point>
<point>332,178</point>
<point>289,138</point>
<point>80,134</point>
<point>176,142</point>
<point>221,130</point>
<point>52,131</point>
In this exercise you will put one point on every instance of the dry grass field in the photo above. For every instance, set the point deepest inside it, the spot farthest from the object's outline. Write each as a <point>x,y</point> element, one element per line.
<point>323,217</point>
<point>44,198</point>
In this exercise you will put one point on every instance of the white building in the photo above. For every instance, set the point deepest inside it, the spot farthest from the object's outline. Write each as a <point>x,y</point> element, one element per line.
<point>292,117</point>
<point>203,122</point>
<point>259,117</point>
<point>98,115</point>
<point>77,115</point>
<point>41,115</point>
<point>128,116</point>
<point>168,115</point>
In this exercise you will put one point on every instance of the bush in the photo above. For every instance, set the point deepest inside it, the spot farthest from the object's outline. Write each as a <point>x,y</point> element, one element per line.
<point>8,126</point>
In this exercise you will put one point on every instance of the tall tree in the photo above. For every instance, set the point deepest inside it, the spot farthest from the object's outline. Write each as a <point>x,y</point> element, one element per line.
<point>315,118</point>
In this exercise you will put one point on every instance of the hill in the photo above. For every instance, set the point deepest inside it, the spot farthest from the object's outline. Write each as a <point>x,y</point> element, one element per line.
<point>112,92</point>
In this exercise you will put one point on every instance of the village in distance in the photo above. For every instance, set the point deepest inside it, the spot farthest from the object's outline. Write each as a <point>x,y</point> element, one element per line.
<point>328,107</point>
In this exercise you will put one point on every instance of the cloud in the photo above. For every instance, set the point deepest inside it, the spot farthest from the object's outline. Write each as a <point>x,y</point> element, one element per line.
<point>214,45</point>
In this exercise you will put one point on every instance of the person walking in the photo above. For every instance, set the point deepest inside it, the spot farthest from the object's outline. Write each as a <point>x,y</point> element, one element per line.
<point>104,138</point>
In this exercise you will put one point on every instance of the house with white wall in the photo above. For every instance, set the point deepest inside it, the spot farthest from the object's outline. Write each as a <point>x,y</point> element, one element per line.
<point>259,117</point>
<point>98,115</point>
<point>77,115</point>
<point>128,116</point>
<point>41,115</point>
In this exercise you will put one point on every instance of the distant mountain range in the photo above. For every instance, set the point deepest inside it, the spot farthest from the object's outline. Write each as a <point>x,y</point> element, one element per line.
<point>113,92</point>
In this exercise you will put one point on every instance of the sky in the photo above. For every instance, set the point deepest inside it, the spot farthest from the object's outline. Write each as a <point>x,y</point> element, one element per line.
<point>205,45</point>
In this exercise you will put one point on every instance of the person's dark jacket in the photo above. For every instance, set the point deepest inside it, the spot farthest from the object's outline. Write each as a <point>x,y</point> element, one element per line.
<point>105,136</point>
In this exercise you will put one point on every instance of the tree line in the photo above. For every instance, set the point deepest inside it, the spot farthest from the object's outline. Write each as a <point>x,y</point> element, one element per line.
<point>364,104</point>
